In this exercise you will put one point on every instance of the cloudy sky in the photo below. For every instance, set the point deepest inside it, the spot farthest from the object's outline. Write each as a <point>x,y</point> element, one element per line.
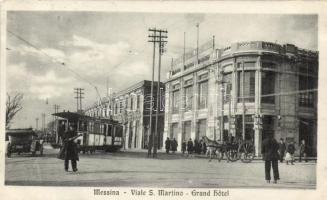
<point>110,46</point>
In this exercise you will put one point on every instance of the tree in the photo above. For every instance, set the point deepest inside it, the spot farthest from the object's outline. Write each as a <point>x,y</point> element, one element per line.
<point>13,106</point>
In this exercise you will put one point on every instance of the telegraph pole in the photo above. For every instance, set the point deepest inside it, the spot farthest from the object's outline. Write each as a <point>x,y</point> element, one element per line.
<point>197,42</point>
<point>79,96</point>
<point>150,135</point>
<point>156,36</point>
<point>43,122</point>
<point>37,123</point>
<point>56,108</point>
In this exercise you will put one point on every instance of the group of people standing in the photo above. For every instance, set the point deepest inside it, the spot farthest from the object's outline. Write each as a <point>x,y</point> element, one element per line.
<point>287,151</point>
<point>272,151</point>
<point>190,146</point>
<point>171,145</point>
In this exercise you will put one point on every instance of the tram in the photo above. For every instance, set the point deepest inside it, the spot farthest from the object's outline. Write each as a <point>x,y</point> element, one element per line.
<point>96,133</point>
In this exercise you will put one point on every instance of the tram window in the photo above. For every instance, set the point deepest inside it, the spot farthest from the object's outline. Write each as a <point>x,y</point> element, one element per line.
<point>96,128</point>
<point>105,129</point>
<point>119,131</point>
<point>109,130</point>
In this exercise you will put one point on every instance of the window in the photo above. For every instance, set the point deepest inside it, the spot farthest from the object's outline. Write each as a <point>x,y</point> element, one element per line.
<point>203,95</point>
<point>126,103</point>
<point>173,130</point>
<point>201,129</point>
<point>188,66</point>
<point>132,102</point>
<point>306,83</point>
<point>175,101</point>
<point>138,101</point>
<point>120,107</point>
<point>249,86</point>
<point>188,98</point>
<point>109,130</point>
<point>227,87</point>
<point>269,65</point>
<point>116,108</point>
<point>268,87</point>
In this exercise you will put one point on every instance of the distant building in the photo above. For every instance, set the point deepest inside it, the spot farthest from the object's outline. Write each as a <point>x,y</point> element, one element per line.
<point>131,107</point>
<point>273,86</point>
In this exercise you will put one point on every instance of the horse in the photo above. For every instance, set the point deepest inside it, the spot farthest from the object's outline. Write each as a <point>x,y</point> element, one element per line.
<point>212,147</point>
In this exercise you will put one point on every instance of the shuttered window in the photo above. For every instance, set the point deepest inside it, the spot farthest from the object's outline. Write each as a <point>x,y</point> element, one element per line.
<point>249,86</point>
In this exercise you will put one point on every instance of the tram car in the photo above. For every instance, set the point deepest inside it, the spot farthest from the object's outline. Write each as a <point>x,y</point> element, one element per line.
<point>96,133</point>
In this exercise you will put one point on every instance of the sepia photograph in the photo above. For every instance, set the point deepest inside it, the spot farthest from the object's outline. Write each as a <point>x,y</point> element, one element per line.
<point>165,100</point>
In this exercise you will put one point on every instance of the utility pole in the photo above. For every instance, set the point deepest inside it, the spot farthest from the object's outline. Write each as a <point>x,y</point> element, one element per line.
<point>184,49</point>
<point>243,103</point>
<point>197,42</point>
<point>43,122</point>
<point>37,123</point>
<point>55,125</point>
<point>157,36</point>
<point>79,96</point>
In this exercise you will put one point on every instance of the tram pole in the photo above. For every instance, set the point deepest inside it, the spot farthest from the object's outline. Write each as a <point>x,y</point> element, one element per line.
<point>150,136</point>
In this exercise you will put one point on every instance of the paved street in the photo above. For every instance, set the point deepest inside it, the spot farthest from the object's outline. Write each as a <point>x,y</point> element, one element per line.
<point>134,169</point>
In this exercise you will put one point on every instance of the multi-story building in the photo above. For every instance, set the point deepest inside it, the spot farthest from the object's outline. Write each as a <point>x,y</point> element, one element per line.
<point>248,90</point>
<point>131,107</point>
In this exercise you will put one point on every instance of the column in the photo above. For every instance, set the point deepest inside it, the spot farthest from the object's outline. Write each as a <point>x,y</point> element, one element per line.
<point>258,131</point>
<point>194,107</point>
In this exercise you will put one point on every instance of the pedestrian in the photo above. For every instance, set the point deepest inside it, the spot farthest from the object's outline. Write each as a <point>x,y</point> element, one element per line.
<point>183,146</point>
<point>189,146</point>
<point>203,147</point>
<point>70,149</point>
<point>290,153</point>
<point>303,151</point>
<point>167,145</point>
<point>196,146</point>
<point>270,155</point>
<point>281,149</point>
<point>174,145</point>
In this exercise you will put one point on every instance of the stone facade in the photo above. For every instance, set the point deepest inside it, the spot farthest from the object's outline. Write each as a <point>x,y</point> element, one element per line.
<point>270,88</point>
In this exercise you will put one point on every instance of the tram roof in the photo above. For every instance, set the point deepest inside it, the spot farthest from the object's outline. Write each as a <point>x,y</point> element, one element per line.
<point>71,115</point>
<point>78,116</point>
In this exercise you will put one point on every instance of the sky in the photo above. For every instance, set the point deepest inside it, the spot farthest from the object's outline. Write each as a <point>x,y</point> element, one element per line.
<point>112,48</point>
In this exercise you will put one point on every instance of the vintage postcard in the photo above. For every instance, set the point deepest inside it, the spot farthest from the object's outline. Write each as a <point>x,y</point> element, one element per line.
<point>163,100</point>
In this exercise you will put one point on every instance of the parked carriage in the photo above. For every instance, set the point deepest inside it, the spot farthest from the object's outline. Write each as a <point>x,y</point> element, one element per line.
<point>96,133</point>
<point>240,150</point>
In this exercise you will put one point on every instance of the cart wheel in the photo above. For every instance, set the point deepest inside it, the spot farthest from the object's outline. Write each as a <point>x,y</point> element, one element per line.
<point>247,153</point>
<point>232,155</point>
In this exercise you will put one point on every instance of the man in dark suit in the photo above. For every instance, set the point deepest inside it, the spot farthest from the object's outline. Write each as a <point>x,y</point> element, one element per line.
<point>270,155</point>
<point>71,150</point>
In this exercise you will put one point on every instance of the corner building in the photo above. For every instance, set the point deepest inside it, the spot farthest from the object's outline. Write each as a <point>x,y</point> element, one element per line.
<point>270,88</point>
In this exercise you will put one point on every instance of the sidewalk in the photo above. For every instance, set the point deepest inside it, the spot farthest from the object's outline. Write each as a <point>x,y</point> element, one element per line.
<point>162,153</point>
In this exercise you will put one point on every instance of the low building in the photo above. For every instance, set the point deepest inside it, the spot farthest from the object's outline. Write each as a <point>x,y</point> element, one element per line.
<point>131,107</point>
<point>248,90</point>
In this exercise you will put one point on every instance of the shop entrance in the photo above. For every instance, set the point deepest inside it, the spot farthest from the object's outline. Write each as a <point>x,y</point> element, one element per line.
<point>307,132</point>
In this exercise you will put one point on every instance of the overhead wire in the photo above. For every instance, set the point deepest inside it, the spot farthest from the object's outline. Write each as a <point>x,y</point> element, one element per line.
<point>62,63</point>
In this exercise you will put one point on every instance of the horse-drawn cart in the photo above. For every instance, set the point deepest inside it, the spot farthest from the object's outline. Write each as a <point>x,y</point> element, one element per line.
<point>240,150</point>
